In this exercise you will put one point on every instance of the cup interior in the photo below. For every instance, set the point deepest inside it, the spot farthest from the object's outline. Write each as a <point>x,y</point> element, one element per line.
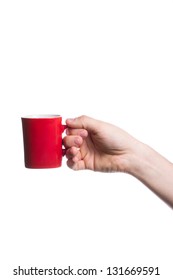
<point>42,116</point>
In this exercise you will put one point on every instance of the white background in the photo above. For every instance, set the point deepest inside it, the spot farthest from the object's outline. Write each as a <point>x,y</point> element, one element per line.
<point>111,60</point>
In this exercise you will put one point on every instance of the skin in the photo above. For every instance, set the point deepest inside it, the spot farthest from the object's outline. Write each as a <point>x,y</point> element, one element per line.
<point>99,146</point>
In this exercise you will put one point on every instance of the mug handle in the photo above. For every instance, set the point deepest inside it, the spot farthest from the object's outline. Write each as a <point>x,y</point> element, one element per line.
<point>64,126</point>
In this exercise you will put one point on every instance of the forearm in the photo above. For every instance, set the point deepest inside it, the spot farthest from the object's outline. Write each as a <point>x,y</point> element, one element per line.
<point>154,171</point>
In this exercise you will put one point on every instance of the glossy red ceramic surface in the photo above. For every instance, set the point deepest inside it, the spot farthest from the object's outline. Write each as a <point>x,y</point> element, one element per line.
<point>42,137</point>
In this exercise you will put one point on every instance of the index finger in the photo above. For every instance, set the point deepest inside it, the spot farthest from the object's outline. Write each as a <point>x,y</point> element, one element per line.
<point>84,122</point>
<point>81,132</point>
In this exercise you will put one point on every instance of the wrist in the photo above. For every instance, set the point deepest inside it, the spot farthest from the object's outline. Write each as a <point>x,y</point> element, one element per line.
<point>139,160</point>
<point>155,171</point>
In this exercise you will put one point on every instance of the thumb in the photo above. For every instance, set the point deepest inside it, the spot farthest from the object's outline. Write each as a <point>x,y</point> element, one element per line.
<point>85,122</point>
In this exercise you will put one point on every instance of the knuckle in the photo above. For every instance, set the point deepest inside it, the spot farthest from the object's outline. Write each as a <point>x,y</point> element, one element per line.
<point>83,120</point>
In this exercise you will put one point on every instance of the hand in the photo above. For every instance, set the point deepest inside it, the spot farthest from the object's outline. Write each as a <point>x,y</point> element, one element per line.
<point>96,145</point>
<point>100,146</point>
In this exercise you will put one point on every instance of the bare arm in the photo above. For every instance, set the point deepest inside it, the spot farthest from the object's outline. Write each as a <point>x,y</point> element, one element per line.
<point>99,146</point>
<point>154,171</point>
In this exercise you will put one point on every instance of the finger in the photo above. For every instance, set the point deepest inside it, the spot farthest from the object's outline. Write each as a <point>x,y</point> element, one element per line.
<point>81,132</point>
<point>80,165</point>
<point>73,153</point>
<point>71,140</point>
<point>85,122</point>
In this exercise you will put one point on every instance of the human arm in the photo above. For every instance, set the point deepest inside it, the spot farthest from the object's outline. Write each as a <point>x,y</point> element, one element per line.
<point>155,171</point>
<point>99,146</point>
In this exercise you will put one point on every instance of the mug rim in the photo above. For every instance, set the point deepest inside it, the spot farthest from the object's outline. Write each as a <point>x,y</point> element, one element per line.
<point>41,116</point>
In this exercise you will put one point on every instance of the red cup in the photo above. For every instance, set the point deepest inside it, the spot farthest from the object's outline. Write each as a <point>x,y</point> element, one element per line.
<point>42,138</point>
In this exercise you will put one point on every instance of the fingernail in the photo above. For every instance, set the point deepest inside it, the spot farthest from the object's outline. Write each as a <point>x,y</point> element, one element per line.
<point>83,133</point>
<point>77,141</point>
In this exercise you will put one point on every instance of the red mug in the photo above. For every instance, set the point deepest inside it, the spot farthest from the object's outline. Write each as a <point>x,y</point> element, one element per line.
<point>42,139</point>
